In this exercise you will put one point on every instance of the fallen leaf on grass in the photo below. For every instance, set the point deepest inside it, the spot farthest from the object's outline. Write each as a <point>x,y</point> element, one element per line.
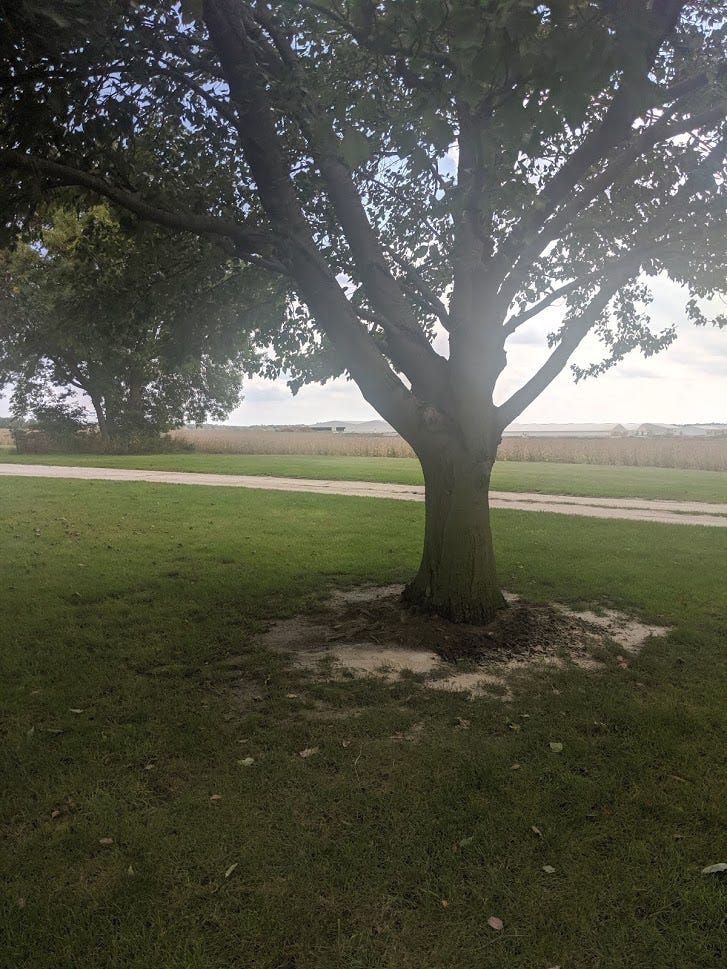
<point>445,903</point>
<point>308,752</point>
<point>105,841</point>
<point>55,813</point>
<point>130,870</point>
<point>246,761</point>
<point>495,923</point>
<point>231,869</point>
<point>216,797</point>
<point>556,747</point>
<point>715,869</point>
<point>536,830</point>
<point>548,869</point>
<point>515,767</point>
<point>76,710</point>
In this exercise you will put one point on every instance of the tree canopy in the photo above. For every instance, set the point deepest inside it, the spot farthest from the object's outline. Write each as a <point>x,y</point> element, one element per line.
<point>152,329</point>
<point>403,165</point>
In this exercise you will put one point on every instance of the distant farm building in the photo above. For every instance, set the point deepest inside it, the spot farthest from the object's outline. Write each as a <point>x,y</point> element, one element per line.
<point>681,430</point>
<point>541,430</point>
<point>566,430</point>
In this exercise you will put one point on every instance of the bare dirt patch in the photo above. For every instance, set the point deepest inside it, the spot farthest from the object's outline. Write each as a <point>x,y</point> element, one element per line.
<point>368,632</point>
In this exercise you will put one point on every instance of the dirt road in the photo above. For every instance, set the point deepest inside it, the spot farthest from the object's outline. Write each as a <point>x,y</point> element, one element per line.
<point>634,509</point>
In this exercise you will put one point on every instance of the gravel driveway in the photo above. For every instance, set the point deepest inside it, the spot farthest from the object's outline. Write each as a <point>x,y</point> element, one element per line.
<point>634,509</point>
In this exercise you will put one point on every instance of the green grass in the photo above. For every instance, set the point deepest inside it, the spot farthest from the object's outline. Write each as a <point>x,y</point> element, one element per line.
<point>135,604</point>
<point>546,477</point>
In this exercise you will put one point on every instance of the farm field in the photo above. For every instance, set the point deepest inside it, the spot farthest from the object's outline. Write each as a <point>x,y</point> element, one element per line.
<point>137,832</point>
<point>707,454</point>
<point>545,477</point>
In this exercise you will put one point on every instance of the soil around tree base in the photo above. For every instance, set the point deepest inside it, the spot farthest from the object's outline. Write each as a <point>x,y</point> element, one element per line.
<point>370,632</point>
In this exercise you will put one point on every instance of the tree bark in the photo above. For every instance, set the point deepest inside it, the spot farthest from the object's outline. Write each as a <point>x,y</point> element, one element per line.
<point>457,578</point>
<point>98,407</point>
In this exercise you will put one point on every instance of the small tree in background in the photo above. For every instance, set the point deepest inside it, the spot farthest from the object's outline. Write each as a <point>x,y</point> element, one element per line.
<point>150,327</point>
<point>313,140</point>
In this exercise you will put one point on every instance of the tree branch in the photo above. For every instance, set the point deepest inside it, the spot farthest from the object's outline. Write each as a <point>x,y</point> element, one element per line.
<point>247,244</point>
<point>515,321</point>
<point>316,282</point>
<point>410,350</point>
<point>613,129</point>
<point>661,131</point>
<point>420,291</point>
<point>574,333</point>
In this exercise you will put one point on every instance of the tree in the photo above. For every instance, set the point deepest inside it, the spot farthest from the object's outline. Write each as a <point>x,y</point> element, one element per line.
<point>100,304</point>
<point>589,144</point>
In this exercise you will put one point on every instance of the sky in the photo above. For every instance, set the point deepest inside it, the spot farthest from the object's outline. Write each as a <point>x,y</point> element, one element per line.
<point>685,384</point>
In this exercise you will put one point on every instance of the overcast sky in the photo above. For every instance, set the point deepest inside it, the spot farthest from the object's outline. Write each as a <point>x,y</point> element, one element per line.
<point>687,383</point>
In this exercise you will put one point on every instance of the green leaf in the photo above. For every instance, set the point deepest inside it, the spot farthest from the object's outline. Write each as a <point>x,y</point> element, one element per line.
<point>190,10</point>
<point>355,148</point>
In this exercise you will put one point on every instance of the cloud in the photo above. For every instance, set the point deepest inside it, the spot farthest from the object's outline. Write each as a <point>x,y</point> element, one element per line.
<point>270,402</point>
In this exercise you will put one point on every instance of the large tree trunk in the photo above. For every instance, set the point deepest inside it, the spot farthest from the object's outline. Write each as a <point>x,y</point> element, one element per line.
<point>457,578</point>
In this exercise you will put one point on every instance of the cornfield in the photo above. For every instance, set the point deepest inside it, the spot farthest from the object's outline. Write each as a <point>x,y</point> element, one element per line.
<point>709,454</point>
<point>702,453</point>
<point>234,440</point>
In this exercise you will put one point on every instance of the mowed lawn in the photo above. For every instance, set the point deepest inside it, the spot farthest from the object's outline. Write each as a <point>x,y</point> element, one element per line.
<point>137,833</point>
<point>545,477</point>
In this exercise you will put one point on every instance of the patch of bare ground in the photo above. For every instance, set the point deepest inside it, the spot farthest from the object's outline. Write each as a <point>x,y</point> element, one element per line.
<point>367,632</point>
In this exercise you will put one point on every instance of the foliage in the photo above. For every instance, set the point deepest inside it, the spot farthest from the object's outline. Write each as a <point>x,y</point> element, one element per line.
<point>99,303</point>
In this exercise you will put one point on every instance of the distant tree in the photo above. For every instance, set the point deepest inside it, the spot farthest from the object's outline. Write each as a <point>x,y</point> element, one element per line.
<point>403,164</point>
<point>149,326</point>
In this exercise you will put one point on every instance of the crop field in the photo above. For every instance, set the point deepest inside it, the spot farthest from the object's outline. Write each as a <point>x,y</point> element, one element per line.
<point>241,440</point>
<point>699,453</point>
<point>709,454</point>
<point>156,809</point>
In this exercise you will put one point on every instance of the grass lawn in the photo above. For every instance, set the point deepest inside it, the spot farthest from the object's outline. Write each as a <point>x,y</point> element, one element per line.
<point>131,695</point>
<point>546,477</point>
